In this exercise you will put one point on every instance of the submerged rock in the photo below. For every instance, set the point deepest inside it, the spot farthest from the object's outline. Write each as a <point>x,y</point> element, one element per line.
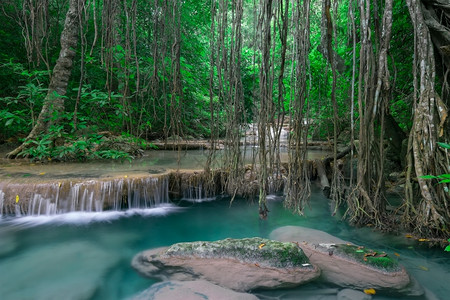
<point>345,264</point>
<point>53,271</point>
<point>190,290</point>
<point>238,264</point>
<point>348,294</point>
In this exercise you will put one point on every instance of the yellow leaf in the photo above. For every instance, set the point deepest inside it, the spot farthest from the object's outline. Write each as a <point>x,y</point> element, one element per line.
<point>408,236</point>
<point>17,198</point>
<point>423,268</point>
<point>396,254</point>
<point>59,184</point>
<point>42,173</point>
<point>370,291</point>
<point>261,245</point>
<point>423,240</point>
<point>126,176</point>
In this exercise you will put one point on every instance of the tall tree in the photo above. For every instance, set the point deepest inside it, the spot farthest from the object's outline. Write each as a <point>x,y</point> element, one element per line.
<point>425,157</point>
<point>54,101</point>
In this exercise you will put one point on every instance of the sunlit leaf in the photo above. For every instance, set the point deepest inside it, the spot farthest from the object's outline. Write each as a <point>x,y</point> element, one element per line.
<point>17,198</point>
<point>261,245</point>
<point>408,236</point>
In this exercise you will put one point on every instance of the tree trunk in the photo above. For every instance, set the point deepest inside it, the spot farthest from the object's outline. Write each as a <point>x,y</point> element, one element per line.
<point>54,101</point>
<point>432,215</point>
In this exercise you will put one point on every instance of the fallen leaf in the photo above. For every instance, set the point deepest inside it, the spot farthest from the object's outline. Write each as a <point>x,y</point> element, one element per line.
<point>396,254</point>
<point>59,184</point>
<point>261,245</point>
<point>257,265</point>
<point>423,268</point>
<point>126,176</point>
<point>423,240</point>
<point>370,291</point>
<point>42,173</point>
<point>408,236</point>
<point>382,255</point>
<point>365,258</point>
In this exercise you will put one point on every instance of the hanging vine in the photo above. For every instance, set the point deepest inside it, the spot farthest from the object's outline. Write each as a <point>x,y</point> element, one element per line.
<point>298,180</point>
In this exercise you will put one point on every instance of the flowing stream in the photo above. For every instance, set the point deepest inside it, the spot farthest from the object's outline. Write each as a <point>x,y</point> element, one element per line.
<point>87,255</point>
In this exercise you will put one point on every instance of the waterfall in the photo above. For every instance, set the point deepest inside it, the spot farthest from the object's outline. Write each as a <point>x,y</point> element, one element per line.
<point>51,198</point>
<point>2,198</point>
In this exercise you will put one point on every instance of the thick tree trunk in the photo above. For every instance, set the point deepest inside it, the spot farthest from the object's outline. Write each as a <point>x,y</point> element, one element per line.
<point>432,215</point>
<point>54,101</point>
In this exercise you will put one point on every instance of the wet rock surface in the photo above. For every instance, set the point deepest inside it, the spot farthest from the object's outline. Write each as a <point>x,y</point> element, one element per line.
<point>237,264</point>
<point>348,294</point>
<point>190,290</point>
<point>345,264</point>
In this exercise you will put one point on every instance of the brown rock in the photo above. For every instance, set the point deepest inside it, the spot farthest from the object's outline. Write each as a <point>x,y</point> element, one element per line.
<point>341,269</point>
<point>235,274</point>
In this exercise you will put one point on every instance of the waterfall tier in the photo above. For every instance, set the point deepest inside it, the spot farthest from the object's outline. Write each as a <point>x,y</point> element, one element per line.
<point>49,198</point>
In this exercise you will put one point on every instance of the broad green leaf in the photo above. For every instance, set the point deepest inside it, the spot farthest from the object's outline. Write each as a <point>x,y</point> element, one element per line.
<point>444,145</point>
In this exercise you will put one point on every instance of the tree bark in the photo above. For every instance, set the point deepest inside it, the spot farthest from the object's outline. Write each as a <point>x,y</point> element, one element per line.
<point>432,214</point>
<point>54,101</point>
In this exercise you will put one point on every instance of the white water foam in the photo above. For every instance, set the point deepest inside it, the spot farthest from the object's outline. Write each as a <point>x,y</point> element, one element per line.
<point>83,218</point>
<point>199,200</point>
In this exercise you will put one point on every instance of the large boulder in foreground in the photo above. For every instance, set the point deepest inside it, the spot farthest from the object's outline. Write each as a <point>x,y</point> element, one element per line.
<point>190,290</point>
<point>348,265</point>
<point>237,264</point>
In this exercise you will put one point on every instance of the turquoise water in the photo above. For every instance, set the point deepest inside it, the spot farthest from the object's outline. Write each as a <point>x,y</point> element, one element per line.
<point>88,255</point>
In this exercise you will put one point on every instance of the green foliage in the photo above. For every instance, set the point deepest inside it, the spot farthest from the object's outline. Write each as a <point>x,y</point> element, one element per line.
<point>444,178</point>
<point>19,112</point>
<point>448,247</point>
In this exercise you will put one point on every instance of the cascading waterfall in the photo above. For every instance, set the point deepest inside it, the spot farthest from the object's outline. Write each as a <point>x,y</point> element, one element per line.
<point>53,198</point>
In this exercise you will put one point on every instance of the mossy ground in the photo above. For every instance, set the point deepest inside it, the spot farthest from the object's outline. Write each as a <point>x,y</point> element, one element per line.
<point>262,252</point>
<point>377,259</point>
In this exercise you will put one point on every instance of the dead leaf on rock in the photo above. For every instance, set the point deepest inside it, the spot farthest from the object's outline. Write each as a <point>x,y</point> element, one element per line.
<point>370,291</point>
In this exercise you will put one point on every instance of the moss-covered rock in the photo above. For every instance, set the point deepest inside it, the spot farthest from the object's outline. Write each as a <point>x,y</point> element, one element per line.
<point>349,265</point>
<point>250,250</point>
<point>237,264</point>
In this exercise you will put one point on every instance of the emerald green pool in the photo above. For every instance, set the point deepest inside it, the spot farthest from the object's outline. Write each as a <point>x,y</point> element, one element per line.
<point>87,255</point>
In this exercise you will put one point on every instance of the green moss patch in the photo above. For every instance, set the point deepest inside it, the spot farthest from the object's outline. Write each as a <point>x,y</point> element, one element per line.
<point>376,259</point>
<point>261,252</point>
